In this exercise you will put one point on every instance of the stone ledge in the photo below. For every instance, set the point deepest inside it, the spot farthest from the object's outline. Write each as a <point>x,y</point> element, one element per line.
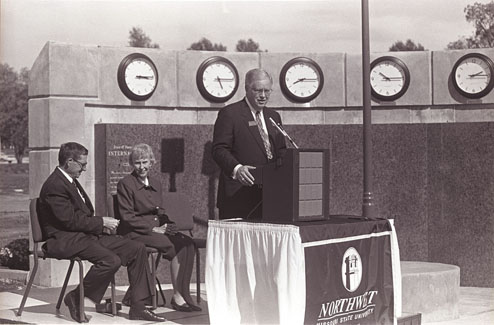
<point>13,275</point>
<point>432,289</point>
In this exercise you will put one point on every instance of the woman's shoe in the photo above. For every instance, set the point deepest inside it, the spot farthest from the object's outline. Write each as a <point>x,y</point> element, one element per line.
<point>194,307</point>
<point>185,307</point>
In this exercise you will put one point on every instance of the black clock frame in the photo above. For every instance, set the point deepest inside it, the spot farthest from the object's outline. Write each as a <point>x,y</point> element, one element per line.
<point>284,87</point>
<point>121,76</point>
<point>490,85</point>
<point>199,79</point>
<point>406,81</point>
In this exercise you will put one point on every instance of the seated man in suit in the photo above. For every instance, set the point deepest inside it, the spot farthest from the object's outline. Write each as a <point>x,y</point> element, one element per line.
<point>243,139</point>
<point>71,229</point>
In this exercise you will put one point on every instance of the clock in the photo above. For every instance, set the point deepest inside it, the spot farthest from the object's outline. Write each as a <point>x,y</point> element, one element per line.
<point>137,77</point>
<point>301,80</point>
<point>389,78</point>
<point>472,75</point>
<point>217,79</point>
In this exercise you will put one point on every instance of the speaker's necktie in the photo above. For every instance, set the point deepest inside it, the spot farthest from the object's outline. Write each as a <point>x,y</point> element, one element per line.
<point>264,136</point>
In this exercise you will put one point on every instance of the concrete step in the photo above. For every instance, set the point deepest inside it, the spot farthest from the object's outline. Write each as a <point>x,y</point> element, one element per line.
<point>431,289</point>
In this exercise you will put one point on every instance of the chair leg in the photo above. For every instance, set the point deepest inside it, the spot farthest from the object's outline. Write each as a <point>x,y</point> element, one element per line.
<point>65,282</point>
<point>198,275</point>
<point>161,292</point>
<point>113,298</point>
<point>28,287</point>
<point>153,281</point>
<point>158,259</point>
<point>81,290</point>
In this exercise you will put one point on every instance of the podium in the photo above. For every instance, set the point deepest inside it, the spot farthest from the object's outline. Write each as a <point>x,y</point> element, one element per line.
<point>295,188</point>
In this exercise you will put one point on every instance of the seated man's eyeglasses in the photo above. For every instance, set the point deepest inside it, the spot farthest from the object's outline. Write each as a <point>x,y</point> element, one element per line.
<point>83,165</point>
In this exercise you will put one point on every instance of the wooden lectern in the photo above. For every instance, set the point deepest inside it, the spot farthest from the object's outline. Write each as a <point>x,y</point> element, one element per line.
<point>296,188</point>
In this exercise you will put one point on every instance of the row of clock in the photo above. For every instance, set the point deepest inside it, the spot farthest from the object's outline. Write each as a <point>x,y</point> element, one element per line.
<point>301,79</point>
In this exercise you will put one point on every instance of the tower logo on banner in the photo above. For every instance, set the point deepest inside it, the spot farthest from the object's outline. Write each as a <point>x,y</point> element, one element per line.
<point>351,269</point>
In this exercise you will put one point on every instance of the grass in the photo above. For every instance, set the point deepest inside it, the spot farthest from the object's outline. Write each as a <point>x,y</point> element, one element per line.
<point>14,178</point>
<point>14,221</point>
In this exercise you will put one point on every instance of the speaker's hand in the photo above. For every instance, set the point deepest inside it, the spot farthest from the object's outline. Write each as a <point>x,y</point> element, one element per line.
<point>244,176</point>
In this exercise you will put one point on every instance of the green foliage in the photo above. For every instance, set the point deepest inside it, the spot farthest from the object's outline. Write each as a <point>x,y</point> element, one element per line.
<point>409,45</point>
<point>482,17</point>
<point>137,38</point>
<point>205,45</point>
<point>247,46</point>
<point>16,254</point>
<point>14,109</point>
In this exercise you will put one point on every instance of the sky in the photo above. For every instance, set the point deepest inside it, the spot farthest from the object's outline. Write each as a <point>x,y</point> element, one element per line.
<point>278,26</point>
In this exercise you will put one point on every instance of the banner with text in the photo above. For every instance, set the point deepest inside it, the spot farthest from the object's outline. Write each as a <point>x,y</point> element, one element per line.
<point>349,280</point>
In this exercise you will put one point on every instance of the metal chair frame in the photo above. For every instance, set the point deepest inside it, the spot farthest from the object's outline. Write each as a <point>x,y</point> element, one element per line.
<point>38,253</point>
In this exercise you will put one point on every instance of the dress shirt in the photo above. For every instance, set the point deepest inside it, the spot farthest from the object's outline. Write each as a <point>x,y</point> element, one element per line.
<point>253,112</point>
<point>71,180</point>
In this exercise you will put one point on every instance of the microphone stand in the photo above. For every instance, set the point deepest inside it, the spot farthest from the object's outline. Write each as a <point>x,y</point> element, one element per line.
<point>282,131</point>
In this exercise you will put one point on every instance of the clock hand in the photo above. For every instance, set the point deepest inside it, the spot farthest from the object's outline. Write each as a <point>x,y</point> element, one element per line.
<point>478,75</point>
<point>225,79</point>
<point>385,77</point>
<point>299,80</point>
<point>475,74</point>
<point>219,80</point>
<point>144,77</point>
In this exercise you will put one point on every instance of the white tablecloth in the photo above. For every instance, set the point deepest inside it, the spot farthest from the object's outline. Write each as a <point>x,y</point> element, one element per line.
<point>255,273</point>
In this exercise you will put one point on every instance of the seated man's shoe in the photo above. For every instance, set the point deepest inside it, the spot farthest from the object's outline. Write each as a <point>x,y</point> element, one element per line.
<point>145,314</point>
<point>185,307</point>
<point>72,302</point>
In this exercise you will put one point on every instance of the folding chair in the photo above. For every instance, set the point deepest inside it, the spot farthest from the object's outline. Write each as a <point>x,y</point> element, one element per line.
<point>38,253</point>
<point>178,208</point>
<point>153,253</point>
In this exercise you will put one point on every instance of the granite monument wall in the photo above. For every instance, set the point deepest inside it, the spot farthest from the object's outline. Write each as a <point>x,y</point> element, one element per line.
<point>433,180</point>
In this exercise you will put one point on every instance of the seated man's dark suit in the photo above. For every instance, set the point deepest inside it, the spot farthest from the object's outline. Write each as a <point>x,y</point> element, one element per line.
<point>236,140</point>
<point>71,229</point>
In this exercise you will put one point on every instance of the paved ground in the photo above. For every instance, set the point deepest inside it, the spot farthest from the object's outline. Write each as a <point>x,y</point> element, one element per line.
<point>476,308</point>
<point>40,309</point>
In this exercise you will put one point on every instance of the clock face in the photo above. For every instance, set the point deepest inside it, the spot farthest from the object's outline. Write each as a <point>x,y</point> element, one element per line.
<point>217,79</point>
<point>301,80</point>
<point>473,75</point>
<point>137,77</point>
<point>389,78</point>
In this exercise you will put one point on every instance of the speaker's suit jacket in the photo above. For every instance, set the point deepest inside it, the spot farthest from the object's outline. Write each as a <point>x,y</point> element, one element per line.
<point>236,140</point>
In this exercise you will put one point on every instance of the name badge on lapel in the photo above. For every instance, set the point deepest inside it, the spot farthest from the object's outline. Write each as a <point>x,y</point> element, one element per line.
<point>252,123</point>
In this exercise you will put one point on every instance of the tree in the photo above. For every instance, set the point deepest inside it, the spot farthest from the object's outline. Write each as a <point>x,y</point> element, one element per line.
<point>13,109</point>
<point>205,45</point>
<point>137,38</point>
<point>482,17</point>
<point>409,45</point>
<point>247,46</point>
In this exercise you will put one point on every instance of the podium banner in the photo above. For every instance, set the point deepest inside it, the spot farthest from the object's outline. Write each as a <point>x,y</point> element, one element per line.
<point>350,280</point>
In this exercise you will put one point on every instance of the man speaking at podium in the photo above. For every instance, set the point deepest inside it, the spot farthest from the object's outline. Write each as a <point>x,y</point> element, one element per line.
<point>244,139</point>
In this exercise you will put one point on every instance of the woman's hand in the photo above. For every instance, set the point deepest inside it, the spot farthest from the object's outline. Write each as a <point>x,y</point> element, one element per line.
<point>167,229</point>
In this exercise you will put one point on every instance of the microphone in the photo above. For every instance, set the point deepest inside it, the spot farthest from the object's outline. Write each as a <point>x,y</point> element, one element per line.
<point>282,131</point>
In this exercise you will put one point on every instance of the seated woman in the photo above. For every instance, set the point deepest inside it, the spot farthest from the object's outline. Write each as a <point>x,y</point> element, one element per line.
<point>143,219</point>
